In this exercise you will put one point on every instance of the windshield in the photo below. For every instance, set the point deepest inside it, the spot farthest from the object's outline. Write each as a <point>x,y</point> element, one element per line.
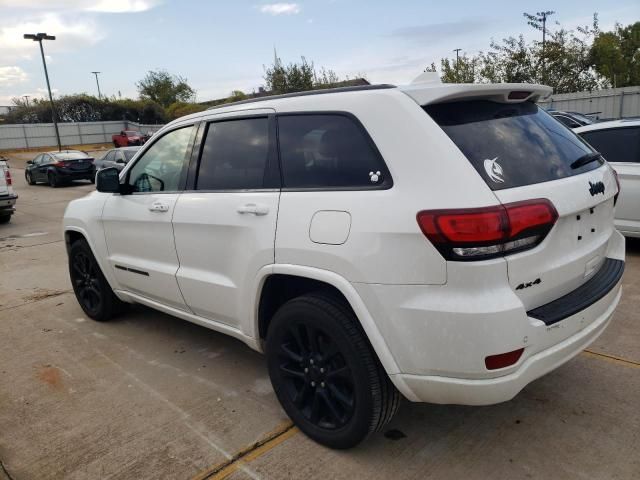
<point>511,145</point>
<point>583,118</point>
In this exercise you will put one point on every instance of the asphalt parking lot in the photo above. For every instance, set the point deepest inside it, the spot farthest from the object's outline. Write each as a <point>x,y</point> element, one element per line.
<point>151,396</point>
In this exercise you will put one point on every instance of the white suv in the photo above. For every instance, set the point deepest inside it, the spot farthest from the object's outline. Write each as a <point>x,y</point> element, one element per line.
<point>450,243</point>
<point>619,143</point>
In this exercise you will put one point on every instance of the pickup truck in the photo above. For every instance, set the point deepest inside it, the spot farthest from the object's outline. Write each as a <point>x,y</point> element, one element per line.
<point>127,138</point>
<point>7,196</point>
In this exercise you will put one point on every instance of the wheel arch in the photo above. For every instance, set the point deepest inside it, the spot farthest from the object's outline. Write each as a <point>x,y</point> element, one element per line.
<point>297,280</point>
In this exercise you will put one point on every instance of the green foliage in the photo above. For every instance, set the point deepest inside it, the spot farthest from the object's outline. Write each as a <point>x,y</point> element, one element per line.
<point>164,88</point>
<point>297,77</point>
<point>566,62</point>
<point>86,108</point>
<point>616,56</point>
<point>180,109</point>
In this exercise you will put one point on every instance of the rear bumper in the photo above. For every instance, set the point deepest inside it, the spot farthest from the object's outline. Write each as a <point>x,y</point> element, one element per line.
<point>68,174</point>
<point>7,203</point>
<point>447,390</point>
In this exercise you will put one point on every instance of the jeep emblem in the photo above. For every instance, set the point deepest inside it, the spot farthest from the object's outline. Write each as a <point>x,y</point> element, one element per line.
<point>596,188</point>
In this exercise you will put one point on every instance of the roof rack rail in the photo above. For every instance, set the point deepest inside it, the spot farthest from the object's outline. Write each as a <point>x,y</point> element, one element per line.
<point>356,88</point>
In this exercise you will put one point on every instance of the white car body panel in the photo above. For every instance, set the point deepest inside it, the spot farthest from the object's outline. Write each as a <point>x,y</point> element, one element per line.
<point>627,217</point>
<point>431,322</point>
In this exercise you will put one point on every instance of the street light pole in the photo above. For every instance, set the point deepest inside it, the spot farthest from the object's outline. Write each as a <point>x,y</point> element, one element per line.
<point>26,98</point>
<point>98,84</point>
<point>457,50</point>
<point>38,37</point>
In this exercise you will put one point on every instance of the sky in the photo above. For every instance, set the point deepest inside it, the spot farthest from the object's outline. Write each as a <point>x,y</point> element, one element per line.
<point>223,45</point>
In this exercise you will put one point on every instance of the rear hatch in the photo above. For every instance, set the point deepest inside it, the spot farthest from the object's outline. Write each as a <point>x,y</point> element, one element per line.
<point>524,156</point>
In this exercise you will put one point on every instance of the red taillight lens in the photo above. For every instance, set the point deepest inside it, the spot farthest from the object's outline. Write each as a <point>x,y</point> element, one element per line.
<point>493,362</point>
<point>518,95</point>
<point>480,233</point>
<point>7,178</point>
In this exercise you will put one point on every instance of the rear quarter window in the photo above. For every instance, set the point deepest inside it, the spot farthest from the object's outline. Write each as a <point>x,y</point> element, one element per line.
<point>616,145</point>
<point>511,145</point>
<point>329,151</point>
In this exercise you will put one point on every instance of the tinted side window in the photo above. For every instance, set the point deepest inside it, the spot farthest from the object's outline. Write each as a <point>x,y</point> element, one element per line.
<point>616,145</point>
<point>328,151</point>
<point>163,166</point>
<point>234,155</point>
<point>109,156</point>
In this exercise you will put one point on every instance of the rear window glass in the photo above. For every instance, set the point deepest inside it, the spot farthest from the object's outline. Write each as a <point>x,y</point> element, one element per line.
<point>70,155</point>
<point>328,151</point>
<point>619,145</point>
<point>511,145</point>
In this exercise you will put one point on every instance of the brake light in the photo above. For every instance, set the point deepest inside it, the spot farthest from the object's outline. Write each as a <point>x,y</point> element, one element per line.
<point>518,95</point>
<point>481,233</point>
<point>7,177</point>
<point>502,360</point>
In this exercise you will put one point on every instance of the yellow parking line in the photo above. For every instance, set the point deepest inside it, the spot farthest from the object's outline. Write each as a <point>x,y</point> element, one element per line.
<point>612,359</point>
<point>271,440</point>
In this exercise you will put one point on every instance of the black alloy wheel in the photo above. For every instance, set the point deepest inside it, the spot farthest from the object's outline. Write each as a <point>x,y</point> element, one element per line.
<point>53,180</point>
<point>325,373</point>
<point>29,177</point>
<point>92,290</point>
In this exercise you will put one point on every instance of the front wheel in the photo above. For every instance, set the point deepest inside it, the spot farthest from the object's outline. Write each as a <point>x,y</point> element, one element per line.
<point>92,290</point>
<point>325,374</point>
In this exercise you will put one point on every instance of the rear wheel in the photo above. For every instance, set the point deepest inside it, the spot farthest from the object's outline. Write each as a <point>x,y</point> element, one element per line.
<point>91,288</point>
<point>5,219</point>
<point>325,373</point>
<point>29,178</point>
<point>53,180</point>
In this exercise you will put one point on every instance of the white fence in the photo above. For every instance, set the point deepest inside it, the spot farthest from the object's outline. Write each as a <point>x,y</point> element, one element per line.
<point>32,135</point>
<point>612,103</point>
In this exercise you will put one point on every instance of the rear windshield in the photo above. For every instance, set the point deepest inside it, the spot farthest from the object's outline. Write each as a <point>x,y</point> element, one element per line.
<point>511,145</point>
<point>70,155</point>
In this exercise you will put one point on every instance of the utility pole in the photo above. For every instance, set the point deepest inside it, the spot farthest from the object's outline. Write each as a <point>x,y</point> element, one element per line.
<point>38,37</point>
<point>457,50</point>
<point>535,21</point>
<point>98,84</point>
<point>26,99</point>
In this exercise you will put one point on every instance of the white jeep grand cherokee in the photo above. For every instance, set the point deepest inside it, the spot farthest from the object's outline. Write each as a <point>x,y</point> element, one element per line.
<point>450,243</point>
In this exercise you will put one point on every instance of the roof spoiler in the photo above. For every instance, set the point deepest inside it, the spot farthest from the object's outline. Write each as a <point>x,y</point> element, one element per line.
<point>425,94</point>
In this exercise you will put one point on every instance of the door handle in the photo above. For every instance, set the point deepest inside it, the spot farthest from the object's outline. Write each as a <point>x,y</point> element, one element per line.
<point>158,207</point>
<point>255,209</point>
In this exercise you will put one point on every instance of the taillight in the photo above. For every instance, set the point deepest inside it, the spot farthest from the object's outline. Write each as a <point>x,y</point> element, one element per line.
<point>481,233</point>
<point>502,360</point>
<point>7,177</point>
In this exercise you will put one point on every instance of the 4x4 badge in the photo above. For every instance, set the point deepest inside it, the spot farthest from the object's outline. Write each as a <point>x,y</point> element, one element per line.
<point>494,170</point>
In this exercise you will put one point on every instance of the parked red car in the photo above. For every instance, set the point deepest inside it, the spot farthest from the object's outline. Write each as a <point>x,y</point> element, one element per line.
<point>127,138</point>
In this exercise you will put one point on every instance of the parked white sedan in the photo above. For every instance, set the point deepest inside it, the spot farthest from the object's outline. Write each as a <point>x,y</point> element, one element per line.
<point>619,143</point>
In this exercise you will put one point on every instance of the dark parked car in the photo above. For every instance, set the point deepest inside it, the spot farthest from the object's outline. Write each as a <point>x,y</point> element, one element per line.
<point>56,168</point>
<point>116,157</point>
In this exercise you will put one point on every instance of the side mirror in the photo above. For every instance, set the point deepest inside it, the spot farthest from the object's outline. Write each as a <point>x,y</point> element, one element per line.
<point>120,161</point>
<point>108,180</point>
<point>29,162</point>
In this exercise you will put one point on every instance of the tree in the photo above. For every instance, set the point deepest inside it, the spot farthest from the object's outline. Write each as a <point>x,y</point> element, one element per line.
<point>297,77</point>
<point>616,55</point>
<point>462,70</point>
<point>163,88</point>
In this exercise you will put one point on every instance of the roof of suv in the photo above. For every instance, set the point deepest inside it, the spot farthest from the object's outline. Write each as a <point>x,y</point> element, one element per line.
<point>630,122</point>
<point>423,93</point>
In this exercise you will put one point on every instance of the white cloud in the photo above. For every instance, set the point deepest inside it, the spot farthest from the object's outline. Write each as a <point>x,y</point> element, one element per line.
<point>69,35</point>
<point>280,8</point>
<point>108,6</point>
<point>10,76</point>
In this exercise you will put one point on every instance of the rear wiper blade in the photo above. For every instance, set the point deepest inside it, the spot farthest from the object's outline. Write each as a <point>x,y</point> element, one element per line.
<point>588,158</point>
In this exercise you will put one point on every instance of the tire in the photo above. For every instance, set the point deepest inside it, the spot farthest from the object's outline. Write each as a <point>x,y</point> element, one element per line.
<point>334,389</point>
<point>115,144</point>
<point>53,180</point>
<point>29,178</point>
<point>92,290</point>
<point>5,219</point>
